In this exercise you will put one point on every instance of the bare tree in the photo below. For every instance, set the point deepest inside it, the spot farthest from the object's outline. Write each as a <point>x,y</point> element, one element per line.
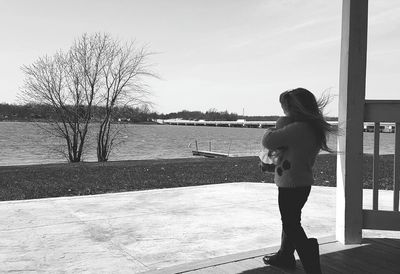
<point>123,76</point>
<point>96,71</point>
<point>46,83</point>
<point>68,83</point>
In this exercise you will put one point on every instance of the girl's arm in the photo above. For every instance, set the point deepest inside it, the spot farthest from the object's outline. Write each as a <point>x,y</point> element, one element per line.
<point>283,121</point>
<point>278,138</point>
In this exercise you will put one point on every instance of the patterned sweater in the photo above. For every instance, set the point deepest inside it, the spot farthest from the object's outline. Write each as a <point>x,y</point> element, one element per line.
<point>300,150</point>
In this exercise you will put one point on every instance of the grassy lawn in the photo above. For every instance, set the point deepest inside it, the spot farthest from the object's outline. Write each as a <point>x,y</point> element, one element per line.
<point>55,180</point>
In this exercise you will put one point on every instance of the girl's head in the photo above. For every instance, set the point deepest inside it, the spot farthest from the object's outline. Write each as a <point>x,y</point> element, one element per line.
<point>301,105</point>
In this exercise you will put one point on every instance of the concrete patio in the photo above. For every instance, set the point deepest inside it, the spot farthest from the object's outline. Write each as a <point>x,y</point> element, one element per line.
<point>133,232</point>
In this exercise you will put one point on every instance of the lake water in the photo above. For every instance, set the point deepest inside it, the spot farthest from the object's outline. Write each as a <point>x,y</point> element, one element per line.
<point>24,143</point>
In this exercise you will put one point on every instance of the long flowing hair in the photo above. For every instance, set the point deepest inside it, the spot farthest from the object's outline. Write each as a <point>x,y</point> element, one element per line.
<point>301,105</point>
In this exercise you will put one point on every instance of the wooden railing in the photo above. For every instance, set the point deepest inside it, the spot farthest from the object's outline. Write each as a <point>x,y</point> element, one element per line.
<point>378,111</point>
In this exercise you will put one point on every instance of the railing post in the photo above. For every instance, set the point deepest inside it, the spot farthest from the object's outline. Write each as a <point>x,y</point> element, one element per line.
<point>351,120</point>
<point>375,169</point>
<point>396,174</point>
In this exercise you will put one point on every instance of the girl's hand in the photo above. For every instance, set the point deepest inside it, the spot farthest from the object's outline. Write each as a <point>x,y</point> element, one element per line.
<point>269,130</point>
<point>266,167</point>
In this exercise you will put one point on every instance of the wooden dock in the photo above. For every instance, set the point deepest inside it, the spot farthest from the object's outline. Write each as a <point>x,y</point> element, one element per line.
<point>209,154</point>
<point>373,255</point>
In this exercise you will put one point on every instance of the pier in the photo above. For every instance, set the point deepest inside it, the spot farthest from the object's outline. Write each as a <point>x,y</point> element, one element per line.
<point>237,123</point>
<point>368,126</point>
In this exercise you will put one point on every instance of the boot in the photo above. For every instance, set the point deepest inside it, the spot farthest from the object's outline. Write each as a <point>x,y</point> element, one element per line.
<point>309,256</point>
<point>280,260</point>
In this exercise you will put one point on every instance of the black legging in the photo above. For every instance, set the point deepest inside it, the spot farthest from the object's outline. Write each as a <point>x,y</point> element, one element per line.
<point>291,201</point>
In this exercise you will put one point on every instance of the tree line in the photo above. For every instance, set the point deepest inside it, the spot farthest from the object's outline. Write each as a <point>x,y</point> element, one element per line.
<point>127,114</point>
<point>40,112</point>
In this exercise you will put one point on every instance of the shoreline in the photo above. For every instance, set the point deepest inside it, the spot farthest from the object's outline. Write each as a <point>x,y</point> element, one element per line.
<point>61,164</point>
<point>88,178</point>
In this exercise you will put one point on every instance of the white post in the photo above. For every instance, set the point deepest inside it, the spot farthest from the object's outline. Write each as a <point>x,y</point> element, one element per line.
<point>351,120</point>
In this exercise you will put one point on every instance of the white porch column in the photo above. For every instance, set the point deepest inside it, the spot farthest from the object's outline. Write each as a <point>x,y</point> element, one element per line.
<point>351,120</point>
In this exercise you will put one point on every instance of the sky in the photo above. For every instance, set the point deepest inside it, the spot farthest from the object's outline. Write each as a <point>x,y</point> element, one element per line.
<point>233,55</point>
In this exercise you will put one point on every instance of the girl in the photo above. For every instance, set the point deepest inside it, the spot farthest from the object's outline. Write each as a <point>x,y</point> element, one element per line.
<point>302,140</point>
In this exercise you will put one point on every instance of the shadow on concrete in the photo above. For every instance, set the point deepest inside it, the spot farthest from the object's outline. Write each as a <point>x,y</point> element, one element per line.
<point>261,270</point>
<point>374,255</point>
